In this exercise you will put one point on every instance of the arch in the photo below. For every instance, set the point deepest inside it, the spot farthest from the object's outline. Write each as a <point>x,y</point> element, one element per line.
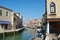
<point>52,7</point>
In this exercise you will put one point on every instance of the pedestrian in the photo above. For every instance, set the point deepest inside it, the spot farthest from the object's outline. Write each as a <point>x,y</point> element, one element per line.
<point>42,36</point>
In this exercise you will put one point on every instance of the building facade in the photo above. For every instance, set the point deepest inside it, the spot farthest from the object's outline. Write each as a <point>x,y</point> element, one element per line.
<point>35,23</point>
<point>29,23</point>
<point>51,18</point>
<point>8,18</point>
<point>18,20</point>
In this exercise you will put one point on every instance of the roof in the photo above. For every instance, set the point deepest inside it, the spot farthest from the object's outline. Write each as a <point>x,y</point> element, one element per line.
<point>5,8</point>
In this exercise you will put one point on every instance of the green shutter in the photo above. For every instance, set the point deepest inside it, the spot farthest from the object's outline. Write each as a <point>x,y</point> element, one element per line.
<point>0,12</point>
<point>6,13</point>
<point>14,19</point>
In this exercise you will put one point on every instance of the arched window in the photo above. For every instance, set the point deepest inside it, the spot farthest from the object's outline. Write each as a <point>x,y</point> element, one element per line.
<point>52,8</point>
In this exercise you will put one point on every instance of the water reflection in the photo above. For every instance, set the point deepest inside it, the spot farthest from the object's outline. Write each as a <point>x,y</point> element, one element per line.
<point>22,35</point>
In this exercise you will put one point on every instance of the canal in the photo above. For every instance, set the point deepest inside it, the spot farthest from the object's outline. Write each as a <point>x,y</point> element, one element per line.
<point>22,35</point>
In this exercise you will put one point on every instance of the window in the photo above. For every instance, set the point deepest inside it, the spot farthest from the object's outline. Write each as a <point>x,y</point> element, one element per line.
<point>14,19</point>
<point>0,12</point>
<point>6,13</point>
<point>52,8</point>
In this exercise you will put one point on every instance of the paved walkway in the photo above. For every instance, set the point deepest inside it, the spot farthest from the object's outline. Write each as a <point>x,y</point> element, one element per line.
<point>2,31</point>
<point>52,37</point>
<point>36,38</point>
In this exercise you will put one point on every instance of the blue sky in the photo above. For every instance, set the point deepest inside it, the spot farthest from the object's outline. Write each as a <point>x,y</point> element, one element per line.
<point>28,8</point>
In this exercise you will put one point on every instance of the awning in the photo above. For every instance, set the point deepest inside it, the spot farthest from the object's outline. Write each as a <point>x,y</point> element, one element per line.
<point>4,22</point>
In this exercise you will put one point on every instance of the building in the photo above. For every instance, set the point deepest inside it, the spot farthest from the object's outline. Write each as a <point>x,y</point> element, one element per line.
<point>25,24</point>
<point>9,19</point>
<point>36,23</point>
<point>18,20</point>
<point>29,23</point>
<point>51,18</point>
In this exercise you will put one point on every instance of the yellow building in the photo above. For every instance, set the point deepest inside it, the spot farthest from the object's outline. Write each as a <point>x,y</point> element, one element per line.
<point>9,19</point>
<point>51,18</point>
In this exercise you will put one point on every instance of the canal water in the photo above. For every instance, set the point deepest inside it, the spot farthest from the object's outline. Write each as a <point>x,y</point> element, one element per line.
<point>22,35</point>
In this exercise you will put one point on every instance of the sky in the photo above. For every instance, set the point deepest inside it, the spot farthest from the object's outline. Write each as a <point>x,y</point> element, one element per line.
<point>29,9</point>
